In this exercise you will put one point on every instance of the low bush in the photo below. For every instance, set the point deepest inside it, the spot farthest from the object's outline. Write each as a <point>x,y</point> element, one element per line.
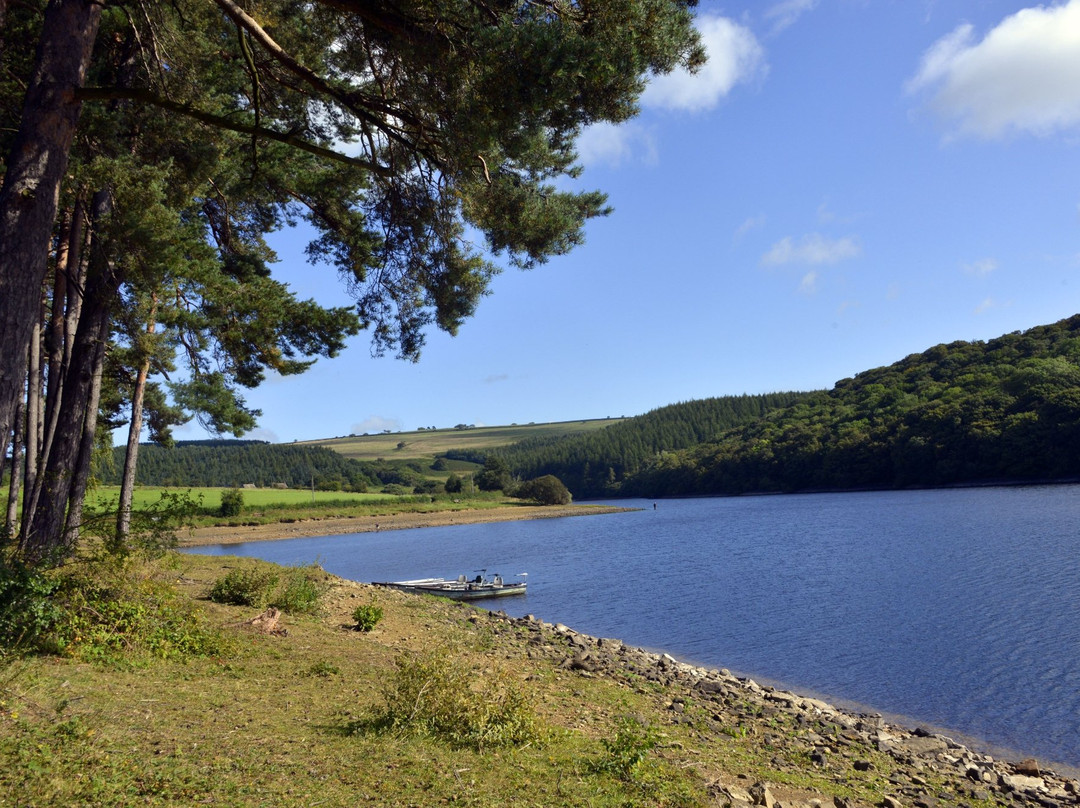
<point>442,697</point>
<point>232,502</point>
<point>28,610</point>
<point>252,586</point>
<point>300,593</point>
<point>367,616</point>
<point>628,750</point>
<point>101,610</point>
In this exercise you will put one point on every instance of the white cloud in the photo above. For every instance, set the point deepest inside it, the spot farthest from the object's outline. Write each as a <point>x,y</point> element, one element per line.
<point>785,14</point>
<point>808,285</point>
<point>812,249</point>
<point>735,57</point>
<point>753,223</point>
<point>376,423</point>
<point>614,145</point>
<point>980,268</point>
<point>1023,76</point>
<point>986,305</point>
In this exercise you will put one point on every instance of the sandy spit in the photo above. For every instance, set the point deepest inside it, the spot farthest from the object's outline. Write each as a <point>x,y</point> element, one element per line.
<point>200,537</point>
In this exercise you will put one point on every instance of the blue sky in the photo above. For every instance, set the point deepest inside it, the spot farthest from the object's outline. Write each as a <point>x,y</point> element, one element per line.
<point>846,183</point>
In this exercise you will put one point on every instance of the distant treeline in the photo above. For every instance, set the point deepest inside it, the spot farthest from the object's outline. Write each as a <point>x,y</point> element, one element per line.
<point>596,464</point>
<point>966,412</point>
<point>236,463</point>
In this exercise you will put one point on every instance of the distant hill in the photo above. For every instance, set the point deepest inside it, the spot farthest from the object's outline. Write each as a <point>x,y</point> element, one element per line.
<point>357,462</point>
<point>595,464</point>
<point>966,412</point>
<point>426,445</point>
<point>233,463</point>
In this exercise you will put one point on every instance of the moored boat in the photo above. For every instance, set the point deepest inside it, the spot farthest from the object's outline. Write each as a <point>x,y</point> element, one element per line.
<point>462,588</point>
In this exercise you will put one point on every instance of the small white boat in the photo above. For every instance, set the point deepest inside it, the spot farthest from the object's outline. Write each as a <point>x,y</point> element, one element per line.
<point>462,588</point>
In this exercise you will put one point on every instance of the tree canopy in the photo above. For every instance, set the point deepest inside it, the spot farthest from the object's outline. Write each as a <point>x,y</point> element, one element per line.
<point>1004,410</point>
<point>149,148</point>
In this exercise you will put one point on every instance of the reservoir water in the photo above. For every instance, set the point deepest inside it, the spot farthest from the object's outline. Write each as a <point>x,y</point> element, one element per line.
<point>955,609</point>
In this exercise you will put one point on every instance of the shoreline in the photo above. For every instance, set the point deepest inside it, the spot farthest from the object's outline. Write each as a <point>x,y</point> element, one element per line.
<point>895,727</point>
<point>914,746</point>
<point>336,526</point>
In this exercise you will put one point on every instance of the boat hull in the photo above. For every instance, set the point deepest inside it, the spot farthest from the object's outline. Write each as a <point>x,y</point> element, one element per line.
<point>456,590</point>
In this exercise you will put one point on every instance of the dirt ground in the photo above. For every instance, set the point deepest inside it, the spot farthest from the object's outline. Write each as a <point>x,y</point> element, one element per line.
<point>401,521</point>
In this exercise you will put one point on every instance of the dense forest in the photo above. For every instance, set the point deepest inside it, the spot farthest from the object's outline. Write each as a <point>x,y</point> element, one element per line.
<point>967,412</point>
<point>595,464</point>
<point>235,463</point>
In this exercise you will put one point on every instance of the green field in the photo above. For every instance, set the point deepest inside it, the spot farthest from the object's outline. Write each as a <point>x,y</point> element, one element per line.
<point>253,497</point>
<point>271,505</point>
<point>425,444</point>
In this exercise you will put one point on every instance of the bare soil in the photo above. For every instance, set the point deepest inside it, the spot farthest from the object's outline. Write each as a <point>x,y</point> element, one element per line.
<point>332,526</point>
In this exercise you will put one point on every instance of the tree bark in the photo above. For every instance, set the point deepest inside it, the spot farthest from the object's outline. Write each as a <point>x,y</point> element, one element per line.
<point>63,479</point>
<point>131,456</point>
<point>14,484</point>
<point>81,473</point>
<point>35,169</point>
<point>32,431</point>
<point>67,281</point>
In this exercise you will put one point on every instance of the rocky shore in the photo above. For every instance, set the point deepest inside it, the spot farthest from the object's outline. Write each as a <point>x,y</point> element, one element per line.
<point>923,769</point>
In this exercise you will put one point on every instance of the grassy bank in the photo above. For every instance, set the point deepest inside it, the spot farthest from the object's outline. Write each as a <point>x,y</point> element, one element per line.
<point>439,704</point>
<point>264,506</point>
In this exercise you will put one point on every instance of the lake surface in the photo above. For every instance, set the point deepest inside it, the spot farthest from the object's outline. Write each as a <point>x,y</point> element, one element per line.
<point>956,609</point>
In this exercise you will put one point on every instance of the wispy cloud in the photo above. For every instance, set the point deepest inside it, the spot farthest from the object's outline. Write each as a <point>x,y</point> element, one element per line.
<point>812,249</point>
<point>986,305</point>
<point>752,223</point>
<point>809,283</point>
<point>1023,76</point>
<point>497,378</point>
<point>376,423</point>
<point>786,14</point>
<point>980,268</point>
<point>735,57</point>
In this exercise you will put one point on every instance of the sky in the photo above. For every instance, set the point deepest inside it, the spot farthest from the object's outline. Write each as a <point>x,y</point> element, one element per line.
<point>847,182</point>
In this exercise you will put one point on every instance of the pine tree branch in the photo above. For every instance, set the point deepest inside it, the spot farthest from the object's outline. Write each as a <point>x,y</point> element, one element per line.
<point>222,122</point>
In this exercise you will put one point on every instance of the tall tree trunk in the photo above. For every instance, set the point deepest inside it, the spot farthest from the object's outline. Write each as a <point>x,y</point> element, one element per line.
<point>15,482</point>
<point>81,472</point>
<point>34,171</point>
<point>131,456</point>
<point>63,480</point>
<point>32,433</point>
<point>69,284</point>
<point>68,281</point>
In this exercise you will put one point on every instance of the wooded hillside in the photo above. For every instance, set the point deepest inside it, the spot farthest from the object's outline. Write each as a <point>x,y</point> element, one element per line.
<point>594,464</point>
<point>966,412</point>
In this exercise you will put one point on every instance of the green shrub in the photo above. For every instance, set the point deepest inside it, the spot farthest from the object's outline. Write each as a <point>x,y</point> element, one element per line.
<point>101,610</point>
<point>300,593</point>
<point>28,610</point>
<point>628,750</point>
<point>120,616</point>
<point>232,502</point>
<point>367,616</point>
<point>442,697</point>
<point>245,587</point>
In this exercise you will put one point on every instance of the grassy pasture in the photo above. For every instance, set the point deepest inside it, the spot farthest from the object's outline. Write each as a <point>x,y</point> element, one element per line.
<point>271,505</point>
<point>253,497</point>
<point>424,445</point>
